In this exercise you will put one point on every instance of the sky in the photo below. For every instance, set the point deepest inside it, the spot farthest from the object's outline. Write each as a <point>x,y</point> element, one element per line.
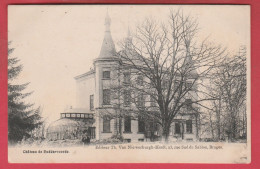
<point>55,43</point>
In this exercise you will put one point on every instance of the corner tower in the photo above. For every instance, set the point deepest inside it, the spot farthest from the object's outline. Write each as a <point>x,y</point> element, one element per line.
<point>106,70</point>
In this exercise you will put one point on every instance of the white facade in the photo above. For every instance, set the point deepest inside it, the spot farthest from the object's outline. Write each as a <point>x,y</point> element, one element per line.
<point>93,83</point>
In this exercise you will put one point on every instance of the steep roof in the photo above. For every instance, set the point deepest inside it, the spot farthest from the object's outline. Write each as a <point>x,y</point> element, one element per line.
<point>108,47</point>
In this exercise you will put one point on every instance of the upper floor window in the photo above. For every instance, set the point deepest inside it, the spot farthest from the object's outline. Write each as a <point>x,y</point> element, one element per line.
<point>189,85</point>
<point>140,100</point>
<point>165,84</point>
<point>188,103</point>
<point>106,74</point>
<point>127,97</point>
<point>140,80</point>
<point>91,102</point>
<point>106,97</point>
<point>176,84</point>
<point>127,77</point>
<point>189,126</point>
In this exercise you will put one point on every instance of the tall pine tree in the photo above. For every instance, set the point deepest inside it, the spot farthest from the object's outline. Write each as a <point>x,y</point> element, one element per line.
<point>22,117</point>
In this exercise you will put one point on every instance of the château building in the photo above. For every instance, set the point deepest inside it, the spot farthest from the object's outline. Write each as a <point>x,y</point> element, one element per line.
<point>97,114</point>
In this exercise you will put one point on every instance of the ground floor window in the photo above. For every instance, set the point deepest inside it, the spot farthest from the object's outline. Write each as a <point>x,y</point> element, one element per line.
<point>141,125</point>
<point>106,124</point>
<point>141,140</point>
<point>127,124</point>
<point>127,140</point>
<point>177,128</point>
<point>189,126</point>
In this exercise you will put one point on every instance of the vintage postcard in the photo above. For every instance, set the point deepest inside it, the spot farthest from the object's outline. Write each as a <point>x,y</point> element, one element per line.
<point>129,84</point>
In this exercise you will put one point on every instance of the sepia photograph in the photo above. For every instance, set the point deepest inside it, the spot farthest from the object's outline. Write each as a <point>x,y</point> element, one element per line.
<point>129,84</point>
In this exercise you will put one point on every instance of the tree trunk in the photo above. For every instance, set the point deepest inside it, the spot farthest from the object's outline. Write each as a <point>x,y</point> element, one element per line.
<point>197,127</point>
<point>218,120</point>
<point>120,126</point>
<point>233,126</point>
<point>211,126</point>
<point>165,135</point>
<point>166,130</point>
<point>233,130</point>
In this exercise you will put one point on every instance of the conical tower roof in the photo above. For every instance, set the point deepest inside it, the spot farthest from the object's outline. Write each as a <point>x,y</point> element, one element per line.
<point>108,47</point>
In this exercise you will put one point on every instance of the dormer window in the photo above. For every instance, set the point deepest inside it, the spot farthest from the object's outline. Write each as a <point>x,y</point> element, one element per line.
<point>106,74</point>
<point>189,85</point>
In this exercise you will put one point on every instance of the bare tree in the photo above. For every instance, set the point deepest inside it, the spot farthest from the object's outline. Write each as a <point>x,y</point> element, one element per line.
<point>173,63</point>
<point>228,85</point>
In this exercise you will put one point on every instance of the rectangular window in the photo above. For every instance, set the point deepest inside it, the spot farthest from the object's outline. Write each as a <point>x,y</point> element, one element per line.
<point>127,78</point>
<point>188,103</point>
<point>127,123</point>
<point>189,85</point>
<point>91,102</point>
<point>140,80</point>
<point>177,128</point>
<point>106,124</point>
<point>140,100</point>
<point>106,97</point>
<point>127,140</point>
<point>189,126</point>
<point>106,74</point>
<point>141,125</point>
<point>127,97</point>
